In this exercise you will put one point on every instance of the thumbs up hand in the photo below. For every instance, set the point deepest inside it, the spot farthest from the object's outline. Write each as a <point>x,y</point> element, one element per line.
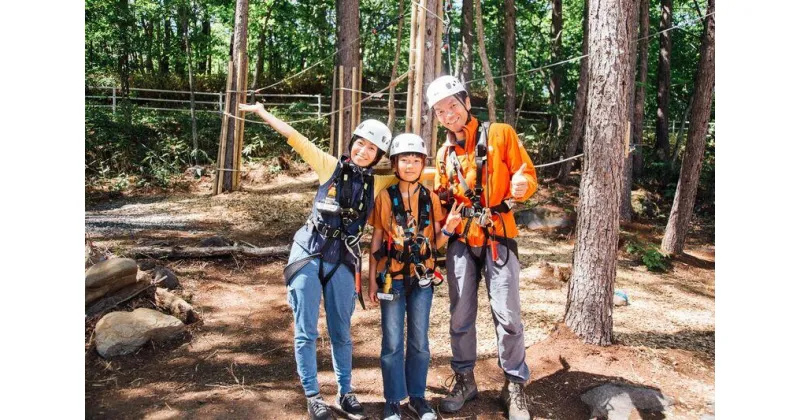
<point>519,184</point>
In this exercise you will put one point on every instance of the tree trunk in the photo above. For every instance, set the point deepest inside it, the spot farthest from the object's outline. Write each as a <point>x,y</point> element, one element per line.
<point>392,117</point>
<point>185,24</point>
<point>205,63</point>
<point>347,29</point>
<point>262,40</point>
<point>432,41</point>
<point>679,138</point>
<point>467,41</point>
<point>163,62</point>
<point>487,71</point>
<point>662,100</point>
<point>148,34</point>
<point>681,213</point>
<point>579,114</point>
<point>626,207</point>
<point>180,60</point>
<point>638,117</point>
<point>556,29</point>
<point>510,82</point>
<point>123,60</point>
<point>591,288</point>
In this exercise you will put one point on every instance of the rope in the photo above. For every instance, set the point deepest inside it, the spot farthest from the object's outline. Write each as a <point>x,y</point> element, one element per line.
<point>371,95</point>
<point>632,149</point>
<point>586,55</point>
<point>374,31</point>
<point>436,15</point>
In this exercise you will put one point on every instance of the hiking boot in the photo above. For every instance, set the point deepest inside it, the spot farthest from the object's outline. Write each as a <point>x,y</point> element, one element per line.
<point>421,408</point>
<point>514,400</point>
<point>463,390</point>
<point>349,404</point>
<point>391,411</point>
<point>317,409</point>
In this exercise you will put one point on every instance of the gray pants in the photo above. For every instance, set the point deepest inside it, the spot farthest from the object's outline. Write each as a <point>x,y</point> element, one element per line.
<point>464,270</point>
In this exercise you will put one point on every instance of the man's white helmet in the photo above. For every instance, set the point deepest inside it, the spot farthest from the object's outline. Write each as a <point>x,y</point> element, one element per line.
<point>376,132</point>
<point>443,87</point>
<point>408,143</point>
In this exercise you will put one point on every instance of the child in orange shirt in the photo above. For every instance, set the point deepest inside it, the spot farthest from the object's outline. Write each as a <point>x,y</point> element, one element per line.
<point>408,217</point>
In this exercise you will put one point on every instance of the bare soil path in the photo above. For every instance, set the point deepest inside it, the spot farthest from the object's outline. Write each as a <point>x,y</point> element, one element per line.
<point>238,362</point>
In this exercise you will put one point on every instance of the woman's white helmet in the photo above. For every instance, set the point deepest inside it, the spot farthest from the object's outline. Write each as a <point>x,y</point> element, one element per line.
<point>376,132</point>
<point>443,87</point>
<point>408,143</point>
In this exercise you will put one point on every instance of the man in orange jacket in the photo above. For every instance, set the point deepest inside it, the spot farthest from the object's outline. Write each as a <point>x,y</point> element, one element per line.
<point>485,167</point>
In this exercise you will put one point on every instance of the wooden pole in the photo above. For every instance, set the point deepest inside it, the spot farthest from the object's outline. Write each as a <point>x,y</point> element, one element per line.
<point>411,65</point>
<point>353,98</point>
<point>360,84</point>
<point>332,149</point>
<point>228,174</point>
<point>419,64</point>
<point>339,141</point>
<point>241,97</point>
<point>223,135</point>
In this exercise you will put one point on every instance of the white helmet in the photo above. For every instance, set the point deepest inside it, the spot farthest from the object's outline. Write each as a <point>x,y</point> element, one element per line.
<point>376,132</point>
<point>443,87</point>
<point>408,143</point>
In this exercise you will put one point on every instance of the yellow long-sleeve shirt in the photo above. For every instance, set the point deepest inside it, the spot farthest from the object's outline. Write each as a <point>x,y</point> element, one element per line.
<point>324,164</point>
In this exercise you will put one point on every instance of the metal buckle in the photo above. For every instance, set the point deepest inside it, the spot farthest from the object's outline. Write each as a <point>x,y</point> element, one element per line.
<point>485,218</point>
<point>425,279</point>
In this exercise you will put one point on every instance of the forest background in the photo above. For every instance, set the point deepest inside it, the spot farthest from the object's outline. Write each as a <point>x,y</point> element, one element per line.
<point>754,110</point>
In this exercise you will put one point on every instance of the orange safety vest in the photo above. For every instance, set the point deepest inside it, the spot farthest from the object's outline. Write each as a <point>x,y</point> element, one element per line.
<point>505,155</point>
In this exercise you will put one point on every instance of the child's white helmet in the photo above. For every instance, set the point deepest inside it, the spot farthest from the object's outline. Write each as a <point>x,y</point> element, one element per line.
<point>408,143</point>
<point>443,87</point>
<point>376,132</point>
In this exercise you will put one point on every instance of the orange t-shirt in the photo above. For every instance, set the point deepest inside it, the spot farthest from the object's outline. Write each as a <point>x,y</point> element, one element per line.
<point>383,218</point>
<point>505,155</point>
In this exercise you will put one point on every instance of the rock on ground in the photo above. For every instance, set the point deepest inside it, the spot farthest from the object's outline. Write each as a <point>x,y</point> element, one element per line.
<point>109,276</point>
<point>119,333</point>
<point>165,277</point>
<point>617,401</point>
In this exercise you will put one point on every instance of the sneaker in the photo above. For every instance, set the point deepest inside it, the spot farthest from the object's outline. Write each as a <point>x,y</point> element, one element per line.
<point>513,396</point>
<point>421,408</point>
<point>317,409</point>
<point>391,411</point>
<point>349,404</point>
<point>464,389</point>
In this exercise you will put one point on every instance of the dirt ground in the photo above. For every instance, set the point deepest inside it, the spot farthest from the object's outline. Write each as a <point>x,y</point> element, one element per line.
<point>238,361</point>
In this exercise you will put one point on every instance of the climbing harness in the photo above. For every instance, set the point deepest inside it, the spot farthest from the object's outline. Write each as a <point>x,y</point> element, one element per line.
<point>415,249</point>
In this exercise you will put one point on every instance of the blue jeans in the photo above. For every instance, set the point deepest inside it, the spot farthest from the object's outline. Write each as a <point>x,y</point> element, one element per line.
<point>305,292</point>
<point>402,378</point>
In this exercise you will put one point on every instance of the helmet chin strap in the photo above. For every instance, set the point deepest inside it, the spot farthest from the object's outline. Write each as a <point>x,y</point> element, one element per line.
<point>410,182</point>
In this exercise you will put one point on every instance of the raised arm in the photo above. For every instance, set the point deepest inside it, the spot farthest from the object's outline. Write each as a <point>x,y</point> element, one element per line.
<point>276,123</point>
<point>322,163</point>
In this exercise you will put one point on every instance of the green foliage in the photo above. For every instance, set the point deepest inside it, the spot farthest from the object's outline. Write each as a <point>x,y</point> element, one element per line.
<point>297,34</point>
<point>649,255</point>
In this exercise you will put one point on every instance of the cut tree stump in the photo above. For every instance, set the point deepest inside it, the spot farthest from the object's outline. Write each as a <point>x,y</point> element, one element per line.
<point>175,306</point>
<point>206,252</point>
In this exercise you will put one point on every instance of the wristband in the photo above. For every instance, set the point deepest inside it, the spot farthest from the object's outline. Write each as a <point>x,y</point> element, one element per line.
<point>446,233</point>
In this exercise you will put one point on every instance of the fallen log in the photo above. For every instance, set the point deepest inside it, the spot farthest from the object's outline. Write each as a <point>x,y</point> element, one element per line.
<point>120,296</point>
<point>176,306</point>
<point>206,252</point>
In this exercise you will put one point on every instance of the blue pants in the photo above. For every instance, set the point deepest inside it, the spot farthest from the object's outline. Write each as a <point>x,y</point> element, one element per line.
<point>305,292</point>
<point>402,378</point>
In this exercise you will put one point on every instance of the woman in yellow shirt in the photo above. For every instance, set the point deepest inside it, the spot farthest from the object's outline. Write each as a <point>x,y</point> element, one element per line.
<point>325,256</point>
